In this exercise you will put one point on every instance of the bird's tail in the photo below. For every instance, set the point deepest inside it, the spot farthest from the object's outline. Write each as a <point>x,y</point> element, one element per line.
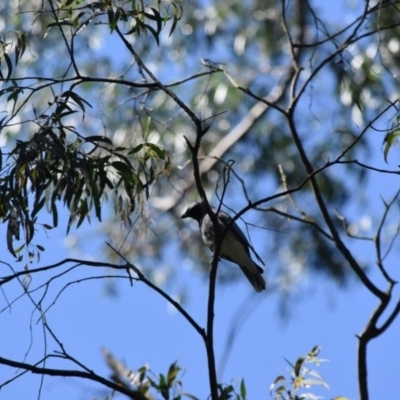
<point>255,278</point>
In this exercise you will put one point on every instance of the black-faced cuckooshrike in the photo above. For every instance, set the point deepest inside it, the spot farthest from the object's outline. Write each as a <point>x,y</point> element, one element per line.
<point>234,247</point>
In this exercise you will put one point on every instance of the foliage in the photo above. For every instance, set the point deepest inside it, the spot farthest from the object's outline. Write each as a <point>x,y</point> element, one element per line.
<point>143,380</point>
<point>302,378</point>
<point>391,137</point>
<point>58,161</point>
<point>119,100</point>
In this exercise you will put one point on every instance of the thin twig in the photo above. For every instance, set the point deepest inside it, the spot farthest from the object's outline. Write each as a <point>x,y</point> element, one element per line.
<point>142,278</point>
<point>378,235</point>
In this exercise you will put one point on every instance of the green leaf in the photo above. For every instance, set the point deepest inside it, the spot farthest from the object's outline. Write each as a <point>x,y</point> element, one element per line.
<point>156,17</point>
<point>279,379</point>
<point>20,47</point>
<point>314,351</point>
<point>112,15</point>
<point>178,12</point>
<point>158,150</point>
<point>83,212</point>
<point>243,390</point>
<point>64,114</point>
<point>75,21</point>
<point>98,138</point>
<point>121,166</point>
<point>37,207</point>
<point>12,230</point>
<point>155,34</point>
<point>77,99</point>
<point>96,200</point>
<point>135,27</point>
<point>18,250</point>
<point>298,365</point>
<point>68,3</point>
<point>29,230</point>
<point>69,223</point>
<point>390,138</point>
<point>172,373</point>
<point>54,212</point>
<point>113,18</point>
<point>136,149</point>
<point>9,66</point>
<point>163,387</point>
<point>226,392</point>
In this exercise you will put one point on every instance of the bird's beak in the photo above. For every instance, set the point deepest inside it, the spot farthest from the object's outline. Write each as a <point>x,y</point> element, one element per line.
<point>184,215</point>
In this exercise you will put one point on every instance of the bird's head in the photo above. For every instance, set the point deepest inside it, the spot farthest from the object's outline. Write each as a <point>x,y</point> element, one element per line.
<point>196,211</point>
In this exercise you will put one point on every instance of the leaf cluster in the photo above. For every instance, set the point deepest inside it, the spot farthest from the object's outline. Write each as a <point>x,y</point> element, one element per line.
<point>146,382</point>
<point>137,17</point>
<point>59,164</point>
<point>302,378</point>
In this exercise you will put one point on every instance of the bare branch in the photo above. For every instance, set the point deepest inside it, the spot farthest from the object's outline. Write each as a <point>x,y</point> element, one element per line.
<point>393,315</point>
<point>209,338</point>
<point>303,220</point>
<point>378,235</point>
<point>133,394</point>
<point>171,94</point>
<point>325,213</point>
<point>255,113</point>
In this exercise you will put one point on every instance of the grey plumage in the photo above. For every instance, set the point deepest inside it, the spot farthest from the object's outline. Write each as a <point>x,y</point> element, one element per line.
<point>234,247</point>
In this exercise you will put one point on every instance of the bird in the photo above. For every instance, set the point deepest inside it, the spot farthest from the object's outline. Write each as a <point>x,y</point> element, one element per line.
<point>234,247</point>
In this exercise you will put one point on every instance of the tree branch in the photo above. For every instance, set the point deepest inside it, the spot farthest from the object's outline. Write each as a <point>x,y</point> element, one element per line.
<point>209,338</point>
<point>328,220</point>
<point>256,112</point>
<point>133,394</point>
<point>170,93</point>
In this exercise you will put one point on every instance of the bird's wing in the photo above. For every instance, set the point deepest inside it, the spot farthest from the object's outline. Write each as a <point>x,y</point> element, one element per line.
<point>226,220</point>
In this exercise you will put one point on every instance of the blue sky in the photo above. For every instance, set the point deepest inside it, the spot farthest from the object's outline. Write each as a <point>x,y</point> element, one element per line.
<point>139,327</point>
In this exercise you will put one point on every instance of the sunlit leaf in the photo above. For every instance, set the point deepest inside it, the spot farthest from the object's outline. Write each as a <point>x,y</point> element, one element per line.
<point>298,365</point>
<point>314,382</point>
<point>279,379</point>
<point>158,150</point>
<point>172,373</point>
<point>243,390</point>
<point>389,140</point>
